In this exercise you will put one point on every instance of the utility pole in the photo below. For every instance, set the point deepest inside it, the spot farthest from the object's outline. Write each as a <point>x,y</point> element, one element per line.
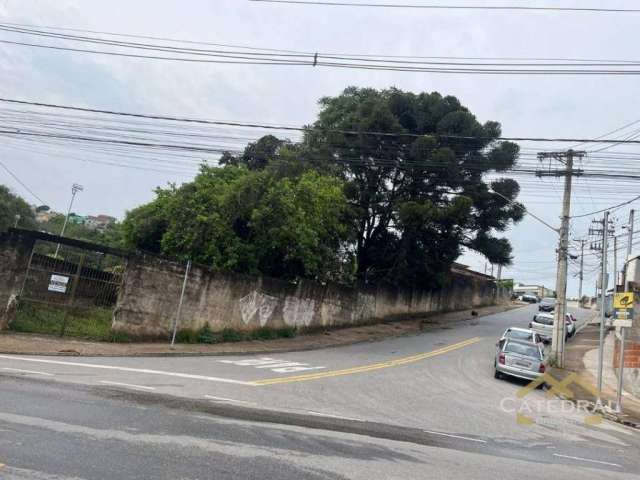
<point>629,246</point>
<point>75,188</point>
<point>603,298</point>
<point>581,272</point>
<point>566,158</point>
<point>615,263</point>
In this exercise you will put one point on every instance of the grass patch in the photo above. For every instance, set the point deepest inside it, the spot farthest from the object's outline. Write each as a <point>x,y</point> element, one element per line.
<point>92,324</point>
<point>228,335</point>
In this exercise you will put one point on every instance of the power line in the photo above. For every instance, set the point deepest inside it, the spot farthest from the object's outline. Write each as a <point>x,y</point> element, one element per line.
<point>307,129</point>
<point>15,177</point>
<point>312,53</point>
<point>450,7</point>
<point>608,208</point>
<point>315,59</point>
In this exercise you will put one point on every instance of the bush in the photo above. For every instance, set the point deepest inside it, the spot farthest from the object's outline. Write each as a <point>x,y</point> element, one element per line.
<point>207,336</point>
<point>231,335</point>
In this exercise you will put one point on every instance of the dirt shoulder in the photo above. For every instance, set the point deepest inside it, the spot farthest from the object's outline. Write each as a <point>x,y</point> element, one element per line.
<point>31,344</point>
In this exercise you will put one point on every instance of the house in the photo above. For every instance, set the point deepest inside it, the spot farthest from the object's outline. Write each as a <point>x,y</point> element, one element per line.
<point>99,222</point>
<point>539,291</point>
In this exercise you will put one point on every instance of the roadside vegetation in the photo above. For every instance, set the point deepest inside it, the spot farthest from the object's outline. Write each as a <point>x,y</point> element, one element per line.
<point>95,324</point>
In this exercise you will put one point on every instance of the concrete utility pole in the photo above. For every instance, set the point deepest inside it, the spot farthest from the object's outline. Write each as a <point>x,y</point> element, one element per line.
<point>557,339</point>
<point>630,227</point>
<point>603,298</point>
<point>581,277</point>
<point>75,188</point>
<point>615,263</point>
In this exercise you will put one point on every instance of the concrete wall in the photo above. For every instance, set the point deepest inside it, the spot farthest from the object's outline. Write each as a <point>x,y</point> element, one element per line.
<point>148,302</point>
<point>15,250</point>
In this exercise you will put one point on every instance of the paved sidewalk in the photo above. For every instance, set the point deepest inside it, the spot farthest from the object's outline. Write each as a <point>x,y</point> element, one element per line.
<point>581,357</point>
<point>31,344</point>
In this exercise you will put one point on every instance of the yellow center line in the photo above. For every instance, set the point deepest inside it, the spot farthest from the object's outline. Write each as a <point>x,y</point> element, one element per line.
<point>367,368</point>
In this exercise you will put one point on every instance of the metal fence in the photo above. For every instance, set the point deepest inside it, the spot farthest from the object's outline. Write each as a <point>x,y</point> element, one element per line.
<point>76,285</point>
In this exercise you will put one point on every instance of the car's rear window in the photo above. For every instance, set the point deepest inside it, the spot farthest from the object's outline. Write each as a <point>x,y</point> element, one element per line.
<point>544,320</point>
<point>522,349</point>
<point>518,334</point>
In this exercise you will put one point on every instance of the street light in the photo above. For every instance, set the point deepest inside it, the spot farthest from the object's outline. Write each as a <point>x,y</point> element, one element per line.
<point>75,188</point>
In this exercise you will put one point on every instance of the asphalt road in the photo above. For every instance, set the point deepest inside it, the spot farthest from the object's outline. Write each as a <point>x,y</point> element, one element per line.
<point>425,406</point>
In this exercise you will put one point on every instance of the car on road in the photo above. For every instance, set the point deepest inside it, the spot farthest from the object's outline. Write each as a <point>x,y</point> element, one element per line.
<point>516,333</point>
<point>529,298</point>
<point>547,304</point>
<point>542,324</point>
<point>521,359</point>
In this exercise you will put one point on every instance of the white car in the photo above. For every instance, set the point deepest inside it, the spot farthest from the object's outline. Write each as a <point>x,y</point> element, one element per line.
<point>542,324</point>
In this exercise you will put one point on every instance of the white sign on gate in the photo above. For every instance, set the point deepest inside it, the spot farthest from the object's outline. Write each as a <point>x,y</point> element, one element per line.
<point>58,283</point>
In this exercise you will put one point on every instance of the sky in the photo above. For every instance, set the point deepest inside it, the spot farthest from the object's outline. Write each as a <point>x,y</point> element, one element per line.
<point>534,106</point>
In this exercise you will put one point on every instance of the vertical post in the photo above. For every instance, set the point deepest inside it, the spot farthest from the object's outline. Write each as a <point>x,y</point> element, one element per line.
<point>184,286</point>
<point>72,295</point>
<point>557,339</point>
<point>581,272</point>
<point>620,370</point>
<point>17,217</point>
<point>75,188</point>
<point>629,246</point>
<point>615,263</point>
<point>603,298</point>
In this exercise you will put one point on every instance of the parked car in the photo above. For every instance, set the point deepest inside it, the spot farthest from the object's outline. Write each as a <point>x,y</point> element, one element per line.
<point>542,324</point>
<point>547,305</point>
<point>516,333</point>
<point>529,298</point>
<point>520,359</point>
<point>570,322</point>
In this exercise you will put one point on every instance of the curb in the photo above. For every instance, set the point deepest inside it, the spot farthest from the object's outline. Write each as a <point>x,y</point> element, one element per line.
<point>302,348</point>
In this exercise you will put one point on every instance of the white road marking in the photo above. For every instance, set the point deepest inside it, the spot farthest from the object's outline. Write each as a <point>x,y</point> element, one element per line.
<point>229,400</point>
<point>143,387</point>
<point>127,369</point>
<point>455,436</point>
<point>587,460</point>
<point>277,365</point>
<point>27,371</point>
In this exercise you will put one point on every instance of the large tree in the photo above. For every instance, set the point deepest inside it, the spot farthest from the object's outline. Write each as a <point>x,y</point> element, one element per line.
<point>12,205</point>
<point>250,221</point>
<point>416,167</point>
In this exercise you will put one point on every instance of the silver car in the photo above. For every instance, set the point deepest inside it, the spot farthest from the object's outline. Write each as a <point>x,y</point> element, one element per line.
<point>525,334</point>
<point>520,359</point>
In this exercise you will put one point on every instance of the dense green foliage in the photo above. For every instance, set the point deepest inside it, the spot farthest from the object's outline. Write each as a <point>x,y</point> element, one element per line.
<point>12,205</point>
<point>395,206</point>
<point>248,221</point>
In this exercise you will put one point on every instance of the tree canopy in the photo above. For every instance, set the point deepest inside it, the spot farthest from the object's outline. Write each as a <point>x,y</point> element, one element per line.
<point>386,186</point>
<point>235,219</point>
<point>12,205</point>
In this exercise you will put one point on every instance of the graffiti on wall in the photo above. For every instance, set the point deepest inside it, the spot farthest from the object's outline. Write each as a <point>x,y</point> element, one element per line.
<point>257,303</point>
<point>298,312</point>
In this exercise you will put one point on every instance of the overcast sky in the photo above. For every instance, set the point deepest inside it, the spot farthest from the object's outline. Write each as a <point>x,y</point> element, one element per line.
<point>559,106</point>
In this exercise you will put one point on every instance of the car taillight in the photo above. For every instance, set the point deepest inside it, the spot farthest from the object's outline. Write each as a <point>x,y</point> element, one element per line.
<point>542,368</point>
<point>501,359</point>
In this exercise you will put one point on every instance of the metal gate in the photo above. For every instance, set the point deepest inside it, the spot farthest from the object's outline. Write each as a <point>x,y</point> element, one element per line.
<point>69,290</point>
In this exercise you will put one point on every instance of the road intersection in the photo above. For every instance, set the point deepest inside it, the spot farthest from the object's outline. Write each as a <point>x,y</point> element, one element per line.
<point>435,390</point>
